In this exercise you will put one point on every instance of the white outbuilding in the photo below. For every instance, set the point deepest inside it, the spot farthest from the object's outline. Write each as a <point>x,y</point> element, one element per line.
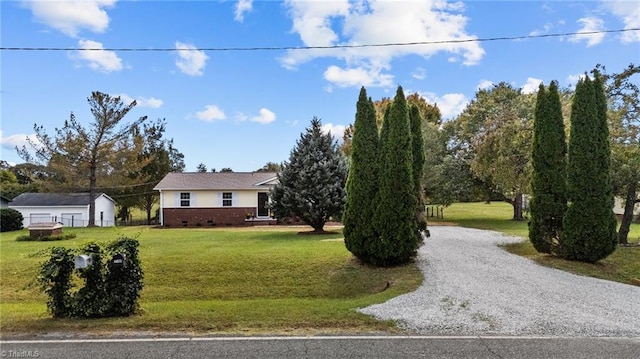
<point>69,209</point>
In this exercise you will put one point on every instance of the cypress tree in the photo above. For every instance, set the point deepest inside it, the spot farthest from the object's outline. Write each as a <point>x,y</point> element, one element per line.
<point>395,219</point>
<point>589,227</point>
<point>417,151</point>
<point>362,182</point>
<point>548,187</point>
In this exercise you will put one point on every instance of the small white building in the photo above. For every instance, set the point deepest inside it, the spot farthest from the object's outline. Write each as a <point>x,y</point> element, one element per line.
<point>69,209</point>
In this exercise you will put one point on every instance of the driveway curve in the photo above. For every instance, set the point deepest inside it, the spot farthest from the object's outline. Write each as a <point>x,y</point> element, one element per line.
<point>473,287</point>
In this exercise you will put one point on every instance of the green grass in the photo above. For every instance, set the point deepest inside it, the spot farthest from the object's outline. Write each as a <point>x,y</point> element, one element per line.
<point>622,266</point>
<point>239,280</point>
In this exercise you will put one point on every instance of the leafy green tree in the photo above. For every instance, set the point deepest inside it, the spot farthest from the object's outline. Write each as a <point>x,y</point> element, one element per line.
<point>311,185</point>
<point>497,130</point>
<point>161,157</point>
<point>395,219</point>
<point>623,95</point>
<point>226,170</point>
<point>589,227</point>
<point>548,181</point>
<point>270,167</point>
<point>362,182</point>
<point>10,220</point>
<point>84,156</point>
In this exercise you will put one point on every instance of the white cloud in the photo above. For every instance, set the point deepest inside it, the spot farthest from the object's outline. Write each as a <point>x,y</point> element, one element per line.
<point>485,85</point>
<point>337,131</point>
<point>211,113</point>
<point>18,140</point>
<point>357,77</point>
<point>344,22</point>
<point>150,102</point>
<point>531,86</point>
<point>419,74</point>
<point>546,28</point>
<point>589,24</point>
<point>629,12</point>
<point>190,60</point>
<point>242,7</point>
<point>96,58</point>
<point>265,116</point>
<point>450,105</point>
<point>70,16</point>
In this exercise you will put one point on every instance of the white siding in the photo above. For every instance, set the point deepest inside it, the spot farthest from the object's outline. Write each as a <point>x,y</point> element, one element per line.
<point>50,214</point>
<point>63,214</point>
<point>210,199</point>
<point>107,207</point>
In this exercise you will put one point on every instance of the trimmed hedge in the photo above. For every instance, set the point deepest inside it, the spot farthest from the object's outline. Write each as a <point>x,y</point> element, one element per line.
<point>60,237</point>
<point>10,220</point>
<point>112,282</point>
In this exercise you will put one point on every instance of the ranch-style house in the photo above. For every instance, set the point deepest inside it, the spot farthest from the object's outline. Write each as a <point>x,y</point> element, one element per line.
<point>207,199</point>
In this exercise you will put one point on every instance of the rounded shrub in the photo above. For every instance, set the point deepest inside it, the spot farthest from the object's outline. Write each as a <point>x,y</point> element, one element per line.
<point>10,220</point>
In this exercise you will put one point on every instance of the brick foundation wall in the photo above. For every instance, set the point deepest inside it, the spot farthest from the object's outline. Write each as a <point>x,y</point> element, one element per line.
<point>205,217</point>
<point>35,233</point>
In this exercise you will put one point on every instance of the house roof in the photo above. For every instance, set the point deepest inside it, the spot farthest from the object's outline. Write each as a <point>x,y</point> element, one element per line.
<point>5,199</point>
<point>54,199</point>
<point>216,181</point>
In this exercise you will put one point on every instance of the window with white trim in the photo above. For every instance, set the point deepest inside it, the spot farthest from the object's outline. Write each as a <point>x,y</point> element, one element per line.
<point>185,199</point>
<point>227,199</point>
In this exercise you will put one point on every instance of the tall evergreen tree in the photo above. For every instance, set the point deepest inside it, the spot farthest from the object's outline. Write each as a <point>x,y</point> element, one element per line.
<point>395,219</point>
<point>418,155</point>
<point>311,185</point>
<point>548,179</point>
<point>589,227</point>
<point>362,182</point>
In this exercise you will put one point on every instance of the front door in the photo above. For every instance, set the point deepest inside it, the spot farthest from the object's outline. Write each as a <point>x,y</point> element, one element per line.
<point>263,202</point>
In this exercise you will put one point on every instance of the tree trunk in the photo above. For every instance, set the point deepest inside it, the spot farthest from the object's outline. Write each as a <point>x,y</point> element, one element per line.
<point>148,215</point>
<point>92,196</point>
<point>629,203</point>
<point>517,207</point>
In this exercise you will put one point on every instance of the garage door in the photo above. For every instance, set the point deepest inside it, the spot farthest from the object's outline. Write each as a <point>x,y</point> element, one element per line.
<point>40,218</point>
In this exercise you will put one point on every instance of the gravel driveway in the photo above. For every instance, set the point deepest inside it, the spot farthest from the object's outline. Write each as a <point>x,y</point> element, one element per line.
<point>473,287</point>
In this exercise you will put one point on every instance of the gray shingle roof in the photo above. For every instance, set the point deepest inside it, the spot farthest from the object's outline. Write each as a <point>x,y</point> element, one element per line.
<point>52,199</point>
<point>216,181</point>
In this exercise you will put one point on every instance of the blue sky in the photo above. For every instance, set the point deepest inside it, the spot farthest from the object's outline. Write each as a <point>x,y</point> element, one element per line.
<point>241,109</point>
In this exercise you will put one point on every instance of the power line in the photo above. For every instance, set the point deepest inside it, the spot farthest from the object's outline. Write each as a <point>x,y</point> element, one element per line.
<point>280,48</point>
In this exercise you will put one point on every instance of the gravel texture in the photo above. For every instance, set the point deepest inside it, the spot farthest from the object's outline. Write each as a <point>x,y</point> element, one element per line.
<point>473,287</point>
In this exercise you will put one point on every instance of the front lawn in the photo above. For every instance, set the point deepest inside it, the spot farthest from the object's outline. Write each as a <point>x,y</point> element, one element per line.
<point>622,266</point>
<point>223,280</point>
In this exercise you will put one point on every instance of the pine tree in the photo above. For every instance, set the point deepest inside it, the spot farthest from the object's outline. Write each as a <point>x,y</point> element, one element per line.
<point>589,227</point>
<point>548,186</point>
<point>311,185</point>
<point>395,219</point>
<point>362,182</point>
<point>417,151</point>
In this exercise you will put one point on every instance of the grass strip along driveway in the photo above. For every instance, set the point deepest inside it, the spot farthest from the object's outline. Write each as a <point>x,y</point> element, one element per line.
<point>222,280</point>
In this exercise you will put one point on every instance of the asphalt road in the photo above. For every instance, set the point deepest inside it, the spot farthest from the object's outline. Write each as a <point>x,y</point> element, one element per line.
<point>326,347</point>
